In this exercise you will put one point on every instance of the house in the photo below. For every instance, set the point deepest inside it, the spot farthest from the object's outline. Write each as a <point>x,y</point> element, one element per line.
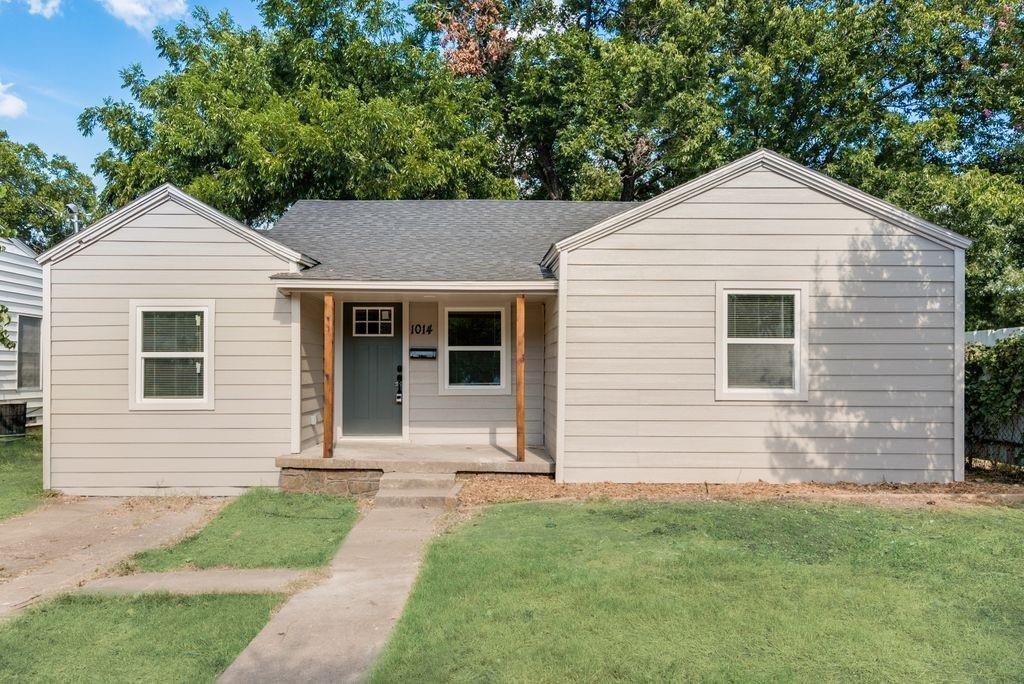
<point>762,322</point>
<point>21,291</point>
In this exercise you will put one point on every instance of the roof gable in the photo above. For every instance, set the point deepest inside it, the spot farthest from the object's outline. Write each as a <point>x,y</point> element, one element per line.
<point>770,161</point>
<point>16,246</point>
<point>154,198</point>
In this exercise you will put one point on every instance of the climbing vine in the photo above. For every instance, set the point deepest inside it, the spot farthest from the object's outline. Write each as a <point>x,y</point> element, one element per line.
<point>994,401</point>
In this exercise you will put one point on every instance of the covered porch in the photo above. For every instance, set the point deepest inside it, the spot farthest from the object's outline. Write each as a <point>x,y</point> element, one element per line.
<point>435,378</point>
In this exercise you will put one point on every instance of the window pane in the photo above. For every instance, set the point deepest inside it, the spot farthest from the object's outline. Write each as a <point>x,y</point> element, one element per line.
<point>474,329</point>
<point>761,315</point>
<point>761,366</point>
<point>173,378</point>
<point>28,352</point>
<point>474,367</point>
<point>172,331</point>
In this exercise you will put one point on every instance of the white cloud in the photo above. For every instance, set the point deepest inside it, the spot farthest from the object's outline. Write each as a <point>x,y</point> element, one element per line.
<point>11,106</point>
<point>45,8</point>
<point>142,15</point>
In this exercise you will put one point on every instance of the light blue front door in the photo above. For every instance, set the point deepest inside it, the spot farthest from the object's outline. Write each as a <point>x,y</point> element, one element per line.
<point>372,370</point>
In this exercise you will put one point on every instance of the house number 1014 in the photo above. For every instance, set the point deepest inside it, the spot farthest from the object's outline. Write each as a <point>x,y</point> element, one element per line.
<point>421,328</point>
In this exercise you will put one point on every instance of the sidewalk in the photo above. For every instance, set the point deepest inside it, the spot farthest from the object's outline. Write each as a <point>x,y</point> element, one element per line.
<point>334,631</point>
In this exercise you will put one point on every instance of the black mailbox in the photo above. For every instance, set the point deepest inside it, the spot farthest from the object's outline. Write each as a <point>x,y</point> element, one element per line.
<point>423,352</point>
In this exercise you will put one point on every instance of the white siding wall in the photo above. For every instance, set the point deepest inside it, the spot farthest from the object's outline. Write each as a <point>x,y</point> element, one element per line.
<point>640,366</point>
<point>98,446</point>
<point>436,419</point>
<point>550,375</point>
<point>312,369</point>
<point>21,291</point>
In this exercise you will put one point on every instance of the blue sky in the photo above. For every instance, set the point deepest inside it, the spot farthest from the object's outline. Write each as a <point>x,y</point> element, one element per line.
<point>59,56</point>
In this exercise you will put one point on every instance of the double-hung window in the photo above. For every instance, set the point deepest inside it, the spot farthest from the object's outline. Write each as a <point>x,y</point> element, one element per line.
<point>761,343</point>
<point>475,351</point>
<point>173,366</point>
<point>29,375</point>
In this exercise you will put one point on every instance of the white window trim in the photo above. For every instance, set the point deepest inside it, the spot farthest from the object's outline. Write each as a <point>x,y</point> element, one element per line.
<point>505,386</point>
<point>136,402</point>
<point>800,315</point>
<point>17,356</point>
<point>375,308</point>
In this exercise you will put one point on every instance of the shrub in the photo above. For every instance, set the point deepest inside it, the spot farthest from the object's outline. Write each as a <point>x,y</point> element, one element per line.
<point>993,401</point>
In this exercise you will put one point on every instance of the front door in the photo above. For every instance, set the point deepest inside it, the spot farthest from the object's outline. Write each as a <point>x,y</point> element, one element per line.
<point>372,370</point>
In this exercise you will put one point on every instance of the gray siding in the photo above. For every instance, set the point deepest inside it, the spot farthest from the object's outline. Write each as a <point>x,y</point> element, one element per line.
<point>21,291</point>
<point>437,419</point>
<point>99,446</point>
<point>312,370</point>
<point>640,347</point>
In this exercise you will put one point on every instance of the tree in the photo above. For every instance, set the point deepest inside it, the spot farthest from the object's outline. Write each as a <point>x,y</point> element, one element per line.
<point>330,100</point>
<point>919,102</point>
<point>34,191</point>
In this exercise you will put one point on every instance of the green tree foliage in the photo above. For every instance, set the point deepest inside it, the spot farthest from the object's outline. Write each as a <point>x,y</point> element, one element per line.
<point>921,103</point>
<point>329,100</point>
<point>34,190</point>
<point>994,401</point>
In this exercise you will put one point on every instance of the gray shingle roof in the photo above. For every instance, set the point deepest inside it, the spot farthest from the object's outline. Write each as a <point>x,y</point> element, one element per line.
<point>483,240</point>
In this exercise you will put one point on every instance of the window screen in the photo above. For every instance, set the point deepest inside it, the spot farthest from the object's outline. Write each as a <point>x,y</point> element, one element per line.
<point>761,341</point>
<point>474,348</point>
<point>173,354</point>
<point>29,376</point>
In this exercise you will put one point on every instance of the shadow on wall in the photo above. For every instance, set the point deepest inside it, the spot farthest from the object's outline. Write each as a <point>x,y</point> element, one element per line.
<point>880,367</point>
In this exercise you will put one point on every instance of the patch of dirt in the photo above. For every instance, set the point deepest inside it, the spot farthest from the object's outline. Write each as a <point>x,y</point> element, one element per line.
<point>487,489</point>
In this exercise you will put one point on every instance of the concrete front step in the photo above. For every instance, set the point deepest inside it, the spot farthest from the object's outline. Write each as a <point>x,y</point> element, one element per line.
<point>440,481</point>
<point>410,492</point>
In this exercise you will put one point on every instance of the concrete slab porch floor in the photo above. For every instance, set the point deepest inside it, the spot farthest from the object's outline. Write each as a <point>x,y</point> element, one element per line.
<point>404,457</point>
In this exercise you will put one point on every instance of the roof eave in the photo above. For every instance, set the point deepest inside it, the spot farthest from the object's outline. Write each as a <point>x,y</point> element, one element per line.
<point>287,282</point>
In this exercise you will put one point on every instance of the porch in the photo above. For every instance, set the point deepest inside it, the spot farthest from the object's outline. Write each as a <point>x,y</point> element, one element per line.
<point>421,458</point>
<point>412,381</point>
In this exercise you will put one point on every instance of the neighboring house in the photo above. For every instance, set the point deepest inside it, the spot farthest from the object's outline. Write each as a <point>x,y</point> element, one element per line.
<point>21,291</point>
<point>761,322</point>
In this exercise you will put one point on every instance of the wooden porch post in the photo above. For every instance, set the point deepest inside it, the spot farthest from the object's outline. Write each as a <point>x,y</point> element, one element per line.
<point>521,377</point>
<point>329,375</point>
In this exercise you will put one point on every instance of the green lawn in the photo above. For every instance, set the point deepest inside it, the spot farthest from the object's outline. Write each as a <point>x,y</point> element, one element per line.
<point>262,529</point>
<point>162,638</point>
<point>723,591</point>
<point>21,473</point>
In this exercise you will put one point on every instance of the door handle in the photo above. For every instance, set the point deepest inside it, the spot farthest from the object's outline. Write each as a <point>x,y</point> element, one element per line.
<point>398,385</point>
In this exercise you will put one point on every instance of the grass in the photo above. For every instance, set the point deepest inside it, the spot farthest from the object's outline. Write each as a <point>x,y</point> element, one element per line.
<point>717,591</point>
<point>154,638</point>
<point>21,473</point>
<point>261,529</point>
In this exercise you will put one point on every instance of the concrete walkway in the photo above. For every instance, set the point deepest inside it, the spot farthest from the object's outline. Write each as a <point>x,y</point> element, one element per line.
<point>67,541</point>
<point>334,631</point>
<point>220,581</point>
